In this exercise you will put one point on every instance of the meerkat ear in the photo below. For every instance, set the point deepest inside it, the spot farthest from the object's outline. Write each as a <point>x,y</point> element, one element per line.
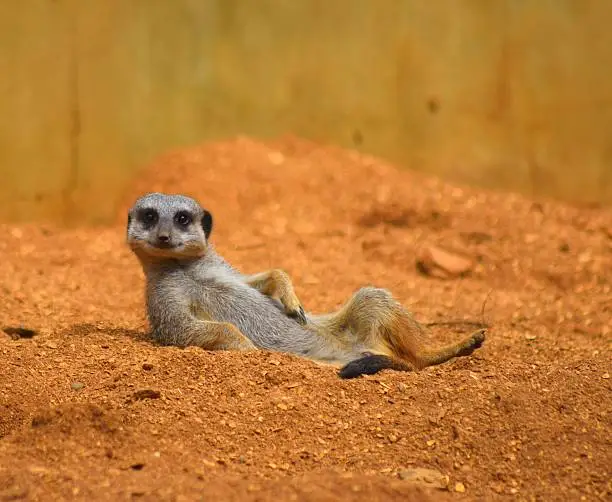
<point>207,223</point>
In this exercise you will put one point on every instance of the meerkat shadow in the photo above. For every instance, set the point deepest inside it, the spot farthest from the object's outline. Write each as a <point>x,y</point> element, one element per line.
<point>88,329</point>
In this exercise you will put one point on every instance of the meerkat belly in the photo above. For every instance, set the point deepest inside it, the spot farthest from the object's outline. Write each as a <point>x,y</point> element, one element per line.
<point>258,317</point>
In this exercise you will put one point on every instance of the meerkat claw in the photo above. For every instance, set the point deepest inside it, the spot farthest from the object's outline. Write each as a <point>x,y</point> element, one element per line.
<point>299,315</point>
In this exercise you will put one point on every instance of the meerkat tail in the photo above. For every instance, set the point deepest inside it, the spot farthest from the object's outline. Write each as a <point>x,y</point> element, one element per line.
<point>370,365</point>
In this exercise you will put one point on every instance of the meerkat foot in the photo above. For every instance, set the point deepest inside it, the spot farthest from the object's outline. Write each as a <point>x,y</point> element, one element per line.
<point>460,349</point>
<point>472,343</point>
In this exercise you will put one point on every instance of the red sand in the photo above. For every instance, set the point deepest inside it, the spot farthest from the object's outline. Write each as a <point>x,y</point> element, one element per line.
<point>526,418</point>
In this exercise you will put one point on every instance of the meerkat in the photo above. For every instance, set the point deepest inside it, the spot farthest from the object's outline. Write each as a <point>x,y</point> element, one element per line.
<point>196,298</point>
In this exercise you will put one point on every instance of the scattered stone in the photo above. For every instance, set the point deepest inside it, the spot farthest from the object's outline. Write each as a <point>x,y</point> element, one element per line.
<point>139,395</point>
<point>477,237</point>
<point>42,419</point>
<point>14,493</point>
<point>18,332</point>
<point>605,376</point>
<point>17,233</point>
<point>437,262</point>
<point>276,158</point>
<point>579,328</point>
<point>459,487</point>
<point>37,469</point>
<point>424,477</point>
<point>564,247</point>
<point>147,366</point>
<point>77,385</point>
<point>530,337</point>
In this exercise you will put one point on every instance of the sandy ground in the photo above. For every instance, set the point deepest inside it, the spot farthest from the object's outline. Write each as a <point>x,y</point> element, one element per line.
<point>90,409</point>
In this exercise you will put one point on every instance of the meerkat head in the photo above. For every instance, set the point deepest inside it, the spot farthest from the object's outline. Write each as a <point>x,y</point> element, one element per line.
<point>168,226</point>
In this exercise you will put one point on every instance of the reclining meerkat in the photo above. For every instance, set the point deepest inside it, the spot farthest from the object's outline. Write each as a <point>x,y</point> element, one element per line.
<point>195,298</point>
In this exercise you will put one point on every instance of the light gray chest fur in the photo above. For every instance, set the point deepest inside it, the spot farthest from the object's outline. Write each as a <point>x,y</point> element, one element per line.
<point>221,293</point>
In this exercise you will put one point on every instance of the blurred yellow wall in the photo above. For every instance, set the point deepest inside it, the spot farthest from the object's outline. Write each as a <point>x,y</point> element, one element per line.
<point>513,94</point>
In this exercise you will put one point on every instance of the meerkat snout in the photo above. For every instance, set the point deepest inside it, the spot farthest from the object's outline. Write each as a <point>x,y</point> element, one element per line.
<point>168,226</point>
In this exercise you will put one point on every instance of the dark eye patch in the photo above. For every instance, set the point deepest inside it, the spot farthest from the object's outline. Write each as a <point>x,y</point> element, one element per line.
<point>148,217</point>
<point>183,218</point>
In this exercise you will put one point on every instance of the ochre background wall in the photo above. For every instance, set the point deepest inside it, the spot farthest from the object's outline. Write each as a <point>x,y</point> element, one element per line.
<point>513,94</point>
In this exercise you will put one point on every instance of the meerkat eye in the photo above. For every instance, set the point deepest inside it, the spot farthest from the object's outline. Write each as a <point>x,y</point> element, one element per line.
<point>183,218</point>
<point>148,216</point>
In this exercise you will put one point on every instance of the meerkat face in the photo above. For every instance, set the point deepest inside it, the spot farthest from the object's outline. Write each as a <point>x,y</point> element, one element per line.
<point>168,226</point>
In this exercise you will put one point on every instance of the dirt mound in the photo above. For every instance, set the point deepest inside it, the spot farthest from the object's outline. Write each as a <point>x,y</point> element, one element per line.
<point>91,410</point>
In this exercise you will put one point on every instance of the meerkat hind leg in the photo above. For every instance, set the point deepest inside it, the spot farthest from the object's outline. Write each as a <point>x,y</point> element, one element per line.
<point>391,335</point>
<point>465,347</point>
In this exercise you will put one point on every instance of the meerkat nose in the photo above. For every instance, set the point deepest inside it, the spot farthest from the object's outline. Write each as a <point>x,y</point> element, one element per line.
<point>163,237</point>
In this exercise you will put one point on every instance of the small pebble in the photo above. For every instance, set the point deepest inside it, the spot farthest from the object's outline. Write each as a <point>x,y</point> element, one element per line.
<point>146,394</point>
<point>276,158</point>
<point>459,487</point>
<point>77,385</point>
<point>426,477</point>
<point>19,332</point>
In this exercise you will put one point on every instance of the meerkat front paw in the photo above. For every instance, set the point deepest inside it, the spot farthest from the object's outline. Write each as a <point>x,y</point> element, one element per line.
<point>293,307</point>
<point>299,315</point>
